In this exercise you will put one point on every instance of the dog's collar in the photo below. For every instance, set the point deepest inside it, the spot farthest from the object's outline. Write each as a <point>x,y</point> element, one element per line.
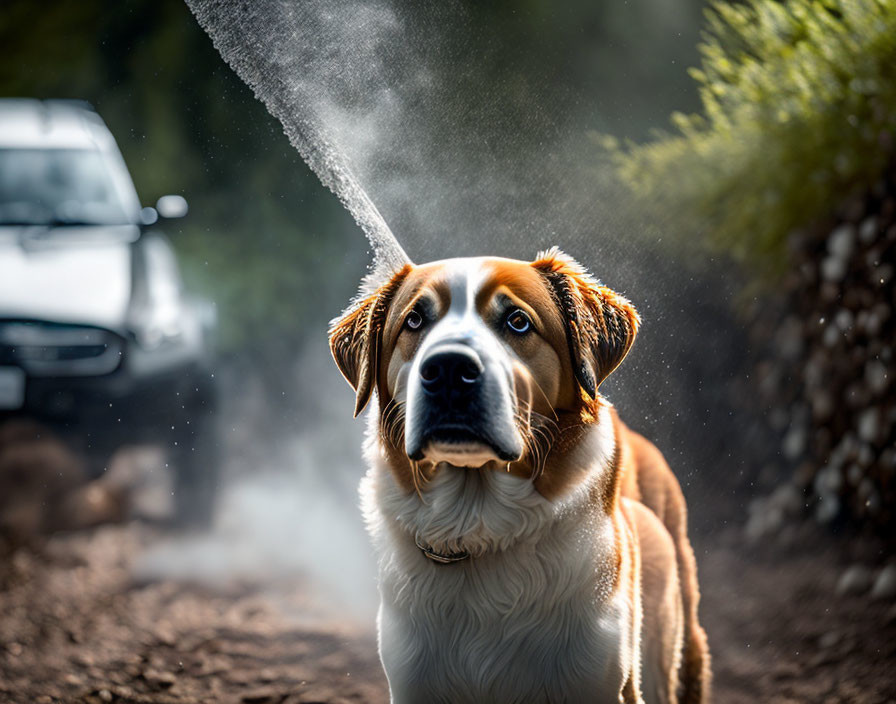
<point>441,558</point>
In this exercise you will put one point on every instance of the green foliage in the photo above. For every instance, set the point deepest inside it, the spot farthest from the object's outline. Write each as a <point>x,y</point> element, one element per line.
<point>799,110</point>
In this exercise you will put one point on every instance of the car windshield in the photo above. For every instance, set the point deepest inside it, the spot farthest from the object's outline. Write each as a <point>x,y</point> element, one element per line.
<point>58,186</point>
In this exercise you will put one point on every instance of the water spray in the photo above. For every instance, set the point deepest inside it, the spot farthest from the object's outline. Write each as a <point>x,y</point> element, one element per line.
<point>246,36</point>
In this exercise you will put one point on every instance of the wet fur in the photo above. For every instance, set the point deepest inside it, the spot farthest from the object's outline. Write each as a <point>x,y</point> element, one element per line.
<point>582,584</point>
<point>519,621</point>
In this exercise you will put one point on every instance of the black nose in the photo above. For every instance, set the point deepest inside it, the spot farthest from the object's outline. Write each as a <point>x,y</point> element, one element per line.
<point>451,372</point>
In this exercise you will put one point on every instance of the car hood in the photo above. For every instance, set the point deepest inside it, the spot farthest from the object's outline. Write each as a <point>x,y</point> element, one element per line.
<point>67,274</point>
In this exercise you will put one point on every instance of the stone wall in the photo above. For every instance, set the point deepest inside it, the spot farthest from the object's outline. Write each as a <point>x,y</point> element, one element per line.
<point>825,375</point>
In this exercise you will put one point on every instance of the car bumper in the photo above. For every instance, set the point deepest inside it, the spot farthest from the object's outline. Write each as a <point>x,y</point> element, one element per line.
<point>118,397</point>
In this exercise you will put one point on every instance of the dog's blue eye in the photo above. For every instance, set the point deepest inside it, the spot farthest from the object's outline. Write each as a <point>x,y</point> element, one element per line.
<point>519,322</point>
<point>414,321</point>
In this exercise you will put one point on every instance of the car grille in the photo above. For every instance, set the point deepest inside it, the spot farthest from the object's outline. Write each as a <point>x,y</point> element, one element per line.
<point>53,349</point>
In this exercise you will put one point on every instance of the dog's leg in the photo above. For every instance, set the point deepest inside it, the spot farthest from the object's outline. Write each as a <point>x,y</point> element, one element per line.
<point>631,690</point>
<point>654,484</point>
<point>630,694</point>
<point>695,672</point>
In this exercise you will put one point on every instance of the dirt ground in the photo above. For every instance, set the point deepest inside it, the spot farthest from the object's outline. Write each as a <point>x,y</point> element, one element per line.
<point>77,624</point>
<point>780,633</point>
<point>77,627</point>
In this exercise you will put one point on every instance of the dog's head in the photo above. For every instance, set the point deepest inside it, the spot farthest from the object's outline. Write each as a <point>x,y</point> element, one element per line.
<point>480,362</point>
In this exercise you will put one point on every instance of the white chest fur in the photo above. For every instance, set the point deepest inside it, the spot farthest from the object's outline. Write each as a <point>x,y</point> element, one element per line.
<point>532,616</point>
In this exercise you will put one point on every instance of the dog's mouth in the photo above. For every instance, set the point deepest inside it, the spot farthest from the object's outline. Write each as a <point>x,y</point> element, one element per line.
<point>461,445</point>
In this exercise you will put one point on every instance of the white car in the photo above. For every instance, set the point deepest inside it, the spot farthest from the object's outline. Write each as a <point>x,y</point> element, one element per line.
<point>97,336</point>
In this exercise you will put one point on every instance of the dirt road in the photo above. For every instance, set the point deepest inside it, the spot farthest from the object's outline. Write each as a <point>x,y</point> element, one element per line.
<point>83,620</point>
<point>77,627</point>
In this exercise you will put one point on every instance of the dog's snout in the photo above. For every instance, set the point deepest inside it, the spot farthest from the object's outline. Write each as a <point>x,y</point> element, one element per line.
<point>451,371</point>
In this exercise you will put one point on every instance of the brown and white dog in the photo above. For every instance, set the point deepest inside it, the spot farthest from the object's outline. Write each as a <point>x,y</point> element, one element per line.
<point>531,547</point>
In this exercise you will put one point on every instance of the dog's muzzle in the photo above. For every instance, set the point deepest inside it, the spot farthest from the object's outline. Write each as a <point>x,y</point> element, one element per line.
<point>456,409</point>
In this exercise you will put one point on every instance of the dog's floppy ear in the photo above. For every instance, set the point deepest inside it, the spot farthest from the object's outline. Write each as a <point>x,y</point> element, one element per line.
<point>600,324</point>
<point>356,337</point>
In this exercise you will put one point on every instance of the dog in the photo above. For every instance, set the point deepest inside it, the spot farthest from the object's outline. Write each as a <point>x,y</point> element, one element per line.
<point>531,548</point>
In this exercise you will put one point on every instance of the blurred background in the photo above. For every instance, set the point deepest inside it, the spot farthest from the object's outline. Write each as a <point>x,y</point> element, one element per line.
<point>178,463</point>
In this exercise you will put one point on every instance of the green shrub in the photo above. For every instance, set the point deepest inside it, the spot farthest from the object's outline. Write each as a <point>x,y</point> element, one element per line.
<point>799,110</point>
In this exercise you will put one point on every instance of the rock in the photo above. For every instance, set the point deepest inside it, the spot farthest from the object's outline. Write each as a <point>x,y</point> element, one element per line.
<point>869,425</point>
<point>875,320</point>
<point>827,348</point>
<point>855,580</point>
<point>831,335</point>
<point>843,319</point>
<point>264,696</point>
<point>876,375</point>
<point>833,268</point>
<point>841,241</point>
<point>827,509</point>
<point>829,480</point>
<point>794,443</point>
<point>885,584</point>
<point>847,446</point>
<point>161,679</point>
<point>868,230</point>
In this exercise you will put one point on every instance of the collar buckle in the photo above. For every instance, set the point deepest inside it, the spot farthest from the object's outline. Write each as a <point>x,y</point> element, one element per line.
<point>440,558</point>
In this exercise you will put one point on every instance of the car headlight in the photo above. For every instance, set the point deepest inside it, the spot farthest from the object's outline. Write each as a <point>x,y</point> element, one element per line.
<point>160,326</point>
